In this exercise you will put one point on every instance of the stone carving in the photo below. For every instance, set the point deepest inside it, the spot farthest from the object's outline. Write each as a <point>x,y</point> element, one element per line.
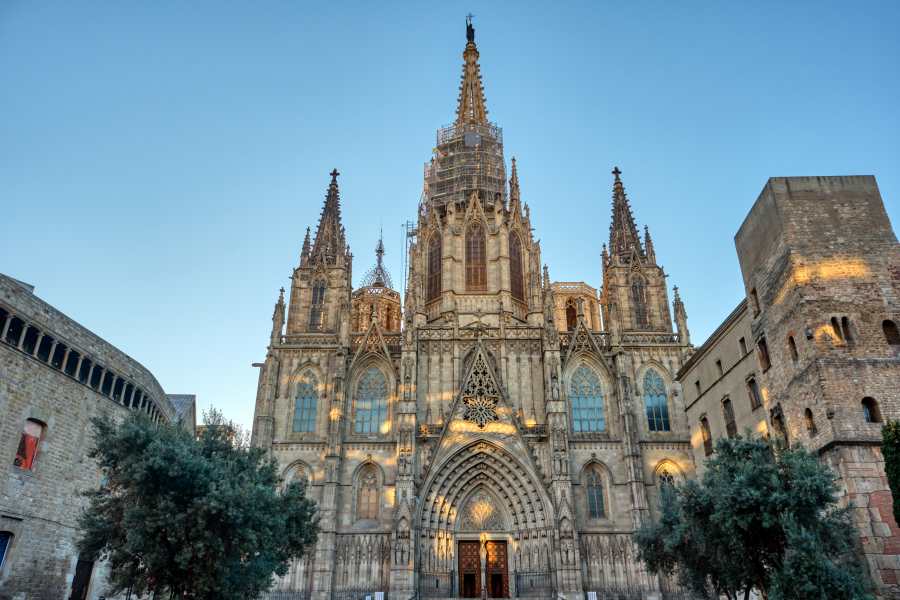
<point>480,394</point>
<point>481,514</point>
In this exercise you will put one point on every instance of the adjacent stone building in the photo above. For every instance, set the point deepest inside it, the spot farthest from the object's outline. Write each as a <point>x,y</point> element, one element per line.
<point>507,438</point>
<point>55,376</point>
<point>812,355</point>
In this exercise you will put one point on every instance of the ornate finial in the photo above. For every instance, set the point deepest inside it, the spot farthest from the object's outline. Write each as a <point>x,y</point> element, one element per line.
<point>616,172</point>
<point>281,294</point>
<point>470,30</point>
<point>378,275</point>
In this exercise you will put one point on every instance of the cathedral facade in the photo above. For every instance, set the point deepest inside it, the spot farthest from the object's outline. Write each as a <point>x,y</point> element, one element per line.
<point>496,434</point>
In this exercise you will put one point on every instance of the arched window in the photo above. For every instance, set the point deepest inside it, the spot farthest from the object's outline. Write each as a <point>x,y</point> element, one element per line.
<point>594,491</point>
<point>666,478</point>
<point>433,282</point>
<point>32,434</point>
<point>5,542</point>
<point>707,436</point>
<point>656,402</point>
<point>836,330</point>
<point>639,301</point>
<point>810,423</point>
<point>571,315</point>
<point>891,333</point>
<point>728,414</point>
<point>296,474</point>
<point>476,259</point>
<point>367,498</point>
<point>371,401</point>
<point>317,306</point>
<point>871,412</point>
<point>516,278</point>
<point>306,404</point>
<point>792,347</point>
<point>586,397</point>
<point>779,426</point>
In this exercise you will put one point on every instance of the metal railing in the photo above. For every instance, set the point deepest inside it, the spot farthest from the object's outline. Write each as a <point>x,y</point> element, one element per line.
<point>534,584</point>
<point>436,584</point>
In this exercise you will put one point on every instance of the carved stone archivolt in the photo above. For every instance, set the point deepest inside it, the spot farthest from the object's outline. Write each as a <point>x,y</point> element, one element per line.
<point>481,513</point>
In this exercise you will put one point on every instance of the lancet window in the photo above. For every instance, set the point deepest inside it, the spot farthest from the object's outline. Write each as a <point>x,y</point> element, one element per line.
<point>586,397</point>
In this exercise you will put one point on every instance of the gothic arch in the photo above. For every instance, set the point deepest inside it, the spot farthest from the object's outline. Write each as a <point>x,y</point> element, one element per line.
<point>641,382</point>
<point>475,246</point>
<point>368,478</point>
<point>433,255</point>
<point>482,510</point>
<point>482,464</point>
<point>358,372</point>
<point>667,467</point>
<point>296,471</point>
<point>640,303</point>
<point>573,375</point>
<point>518,279</point>
<point>594,472</point>
<point>306,372</point>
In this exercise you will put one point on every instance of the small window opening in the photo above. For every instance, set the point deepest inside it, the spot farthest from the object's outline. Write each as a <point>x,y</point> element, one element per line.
<point>108,378</point>
<point>845,329</point>
<point>719,367</point>
<point>43,352</point>
<point>571,316</point>
<point>85,370</point>
<point>58,356</point>
<point>780,428</point>
<point>16,327</point>
<point>891,333</point>
<point>743,345</point>
<point>96,377</point>
<point>5,542</point>
<point>697,385</point>
<point>3,316</point>
<point>763,347</point>
<point>30,341</point>
<point>117,390</point>
<point>810,423</point>
<point>792,347</point>
<point>32,434</point>
<point>707,436</point>
<point>871,411</point>
<point>72,363</point>
<point>836,330</point>
<point>753,392</point>
<point>728,413</point>
<point>754,300</point>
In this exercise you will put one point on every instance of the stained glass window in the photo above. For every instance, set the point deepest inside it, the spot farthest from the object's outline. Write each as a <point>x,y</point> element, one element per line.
<point>371,401</point>
<point>476,259</point>
<point>516,281</point>
<point>317,306</point>
<point>306,404</point>
<point>594,488</point>
<point>434,268</point>
<point>656,402</point>
<point>586,396</point>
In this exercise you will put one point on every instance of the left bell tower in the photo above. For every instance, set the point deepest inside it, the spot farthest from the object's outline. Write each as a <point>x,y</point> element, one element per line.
<point>321,283</point>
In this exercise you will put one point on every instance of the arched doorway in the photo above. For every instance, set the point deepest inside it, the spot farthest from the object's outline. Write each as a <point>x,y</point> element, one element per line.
<point>484,516</point>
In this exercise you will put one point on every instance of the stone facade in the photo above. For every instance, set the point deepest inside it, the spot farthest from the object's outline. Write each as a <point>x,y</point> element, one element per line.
<point>55,376</point>
<point>821,268</point>
<point>486,444</point>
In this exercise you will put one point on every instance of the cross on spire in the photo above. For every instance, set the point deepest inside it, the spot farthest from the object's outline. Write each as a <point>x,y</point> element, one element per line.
<point>616,172</point>
<point>334,175</point>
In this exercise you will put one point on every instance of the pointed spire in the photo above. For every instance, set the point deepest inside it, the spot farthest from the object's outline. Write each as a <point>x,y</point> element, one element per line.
<point>623,234</point>
<point>684,335</point>
<point>278,318</point>
<point>471,105</point>
<point>648,245</point>
<point>330,241</point>
<point>514,182</point>
<point>378,276</point>
<point>304,253</point>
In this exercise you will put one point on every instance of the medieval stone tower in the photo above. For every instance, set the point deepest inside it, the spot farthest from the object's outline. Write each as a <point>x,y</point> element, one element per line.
<point>509,435</point>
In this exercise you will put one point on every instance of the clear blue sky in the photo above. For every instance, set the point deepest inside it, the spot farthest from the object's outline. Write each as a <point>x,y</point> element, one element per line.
<point>160,161</point>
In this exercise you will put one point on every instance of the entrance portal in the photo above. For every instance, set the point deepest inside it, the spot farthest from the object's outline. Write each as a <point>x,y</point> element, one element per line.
<point>496,578</point>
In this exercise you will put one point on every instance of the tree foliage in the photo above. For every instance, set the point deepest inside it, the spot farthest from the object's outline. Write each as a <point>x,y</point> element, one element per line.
<point>761,518</point>
<point>193,518</point>
<point>890,434</point>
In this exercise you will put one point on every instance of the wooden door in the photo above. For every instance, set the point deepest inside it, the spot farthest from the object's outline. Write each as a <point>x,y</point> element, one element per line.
<point>497,576</point>
<point>470,569</point>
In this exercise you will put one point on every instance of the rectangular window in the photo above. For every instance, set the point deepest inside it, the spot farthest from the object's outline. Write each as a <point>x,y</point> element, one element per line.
<point>117,390</point>
<point>753,392</point>
<point>28,444</point>
<point>30,341</point>
<point>58,356</point>
<point>728,414</point>
<point>72,363</point>
<point>754,299</point>
<point>16,327</point>
<point>697,385</point>
<point>43,352</point>
<point>3,316</point>
<point>764,361</point>
<point>5,541</point>
<point>107,383</point>
<point>85,370</point>
<point>743,344</point>
<point>719,367</point>
<point>96,377</point>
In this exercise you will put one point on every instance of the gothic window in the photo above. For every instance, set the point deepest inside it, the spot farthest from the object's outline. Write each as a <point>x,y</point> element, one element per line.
<point>571,315</point>
<point>586,397</point>
<point>891,333</point>
<point>516,278</point>
<point>367,495</point>
<point>810,423</point>
<point>306,404</point>
<point>871,412</point>
<point>753,392</point>
<point>728,414</point>
<point>707,436</point>
<point>639,301</point>
<point>32,434</point>
<point>433,282</point>
<point>296,474</point>
<point>594,491</point>
<point>371,401</point>
<point>476,259</point>
<point>656,402</point>
<point>666,478</point>
<point>317,306</point>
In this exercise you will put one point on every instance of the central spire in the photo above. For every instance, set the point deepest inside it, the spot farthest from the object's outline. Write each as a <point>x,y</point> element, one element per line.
<point>330,243</point>
<point>470,107</point>
<point>623,234</point>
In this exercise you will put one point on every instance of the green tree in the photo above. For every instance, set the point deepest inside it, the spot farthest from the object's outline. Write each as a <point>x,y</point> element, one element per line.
<point>762,518</point>
<point>890,434</point>
<point>191,518</point>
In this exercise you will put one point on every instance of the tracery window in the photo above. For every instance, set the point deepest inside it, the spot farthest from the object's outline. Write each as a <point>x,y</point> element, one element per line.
<point>371,401</point>
<point>476,259</point>
<point>586,397</point>
<point>666,478</point>
<point>516,278</point>
<point>433,281</point>
<point>367,500</point>
<point>306,404</point>
<point>656,402</point>
<point>639,301</point>
<point>317,306</point>
<point>594,491</point>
